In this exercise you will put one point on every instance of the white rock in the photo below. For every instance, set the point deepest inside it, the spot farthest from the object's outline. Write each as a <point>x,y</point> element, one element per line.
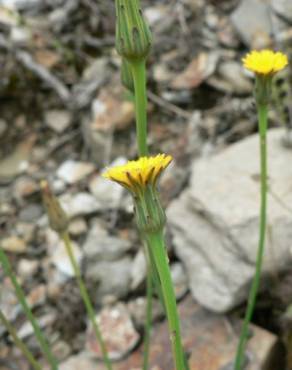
<point>215,221</point>
<point>79,204</point>
<point>115,320</point>
<point>58,120</point>
<point>61,261</point>
<point>108,193</point>
<point>283,8</point>
<point>252,20</point>
<point>100,246</point>
<point>27,268</point>
<point>72,171</point>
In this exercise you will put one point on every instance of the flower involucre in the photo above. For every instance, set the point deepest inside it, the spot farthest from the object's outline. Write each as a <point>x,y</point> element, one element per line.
<point>136,175</point>
<point>265,62</point>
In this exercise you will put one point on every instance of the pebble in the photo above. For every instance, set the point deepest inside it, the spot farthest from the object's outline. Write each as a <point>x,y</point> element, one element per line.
<point>115,320</point>
<point>101,246</point>
<point>26,329</point>
<point>79,204</point>
<point>108,193</point>
<point>112,277</point>
<point>13,244</point>
<point>58,120</point>
<point>72,171</point>
<point>77,226</point>
<point>61,261</point>
<point>31,213</point>
<point>24,187</point>
<point>27,268</point>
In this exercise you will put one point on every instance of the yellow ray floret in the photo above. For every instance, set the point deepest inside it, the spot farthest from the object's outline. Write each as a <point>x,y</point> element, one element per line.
<point>135,175</point>
<point>265,62</point>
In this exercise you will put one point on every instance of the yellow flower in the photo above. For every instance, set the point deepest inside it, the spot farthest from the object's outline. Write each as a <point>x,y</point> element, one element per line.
<point>136,175</point>
<point>265,62</point>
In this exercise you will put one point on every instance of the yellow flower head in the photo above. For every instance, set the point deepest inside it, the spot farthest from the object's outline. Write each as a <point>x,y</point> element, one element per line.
<point>136,175</point>
<point>265,62</point>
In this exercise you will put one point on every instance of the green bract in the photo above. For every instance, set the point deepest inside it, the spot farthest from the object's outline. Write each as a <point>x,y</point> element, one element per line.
<point>133,37</point>
<point>127,77</point>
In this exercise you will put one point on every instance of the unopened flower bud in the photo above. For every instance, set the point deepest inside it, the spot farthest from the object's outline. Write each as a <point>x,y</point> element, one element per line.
<point>133,37</point>
<point>57,217</point>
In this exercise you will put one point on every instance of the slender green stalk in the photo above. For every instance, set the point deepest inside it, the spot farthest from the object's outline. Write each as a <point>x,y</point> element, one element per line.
<point>86,299</point>
<point>21,298</point>
<point>138,72</point>
<point>148,319</point>
<point>156,243</point>
<point>26,352</point>
<point>262,117</point>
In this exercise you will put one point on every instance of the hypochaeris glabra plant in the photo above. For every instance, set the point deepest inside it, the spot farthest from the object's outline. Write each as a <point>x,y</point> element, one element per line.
<point>133,43</point>
<point>59,222</point>
<point>265,64</point>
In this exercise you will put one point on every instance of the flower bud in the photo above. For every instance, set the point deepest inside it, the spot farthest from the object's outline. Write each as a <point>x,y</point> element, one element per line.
<point>57,217</point>
<point>127,77</point>
<point>133,37</point>
<point>150,216</point>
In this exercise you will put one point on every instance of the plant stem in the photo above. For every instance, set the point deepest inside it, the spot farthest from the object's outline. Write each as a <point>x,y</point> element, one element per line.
<point>26,352</point>
<point>262,118</point>
<point>138,71</point>
<point>21,298</point>
<point>156,243</point>
<point>85,296</point>
<point>148,319</point>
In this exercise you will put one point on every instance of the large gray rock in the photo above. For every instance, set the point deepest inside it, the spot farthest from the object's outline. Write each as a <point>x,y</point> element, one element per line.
<point>252,21</point>
<point>215,221</point>
<point>283,8</point>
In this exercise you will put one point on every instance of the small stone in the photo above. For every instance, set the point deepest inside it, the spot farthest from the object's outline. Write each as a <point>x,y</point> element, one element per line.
<point>108,193</point>
<point>61,261</point>
<point>58,120</point>
<point>72,172</point>
<point>81,361</point>
<point>231,79</point>
<point>112,277</point>
<point>198,70</point>
<point>79,204</point>
<point>137,309</point>
<point>100,246</point>
<point>26,329</point>
<point>24,187</point>
<point>26,231</point>
<point>77,226</point>
<point>20,36</point>
<point>13,244</point>
<point>17,161</point>
<point>31,213</point>
<point>27,268</point>
<point>37,296</point>
<point>115,320</point>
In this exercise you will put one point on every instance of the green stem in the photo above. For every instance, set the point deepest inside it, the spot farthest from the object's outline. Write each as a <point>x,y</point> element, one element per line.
<point>262,117</point>
<point>26,352</point>
<point>138,71</point>
<point>156,243</point>
<point>21,298</point>
<point>148,320</point>
<point>86,299</point>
